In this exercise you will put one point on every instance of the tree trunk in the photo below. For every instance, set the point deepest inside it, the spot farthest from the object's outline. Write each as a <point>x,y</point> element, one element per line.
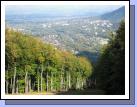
<point>82,84</point>
<point>33,85</point>
<point>95,83</point>
<point>69,81</point>
<point>41,78</point>
<point>11,84</point>
<point>51,82</point>
<point>7,83</point>
<point>61,79</point>
<point>7,86</point>
<point>38,80</point>
<point>77,83</point>
<point>55,87</point>
<point>26,82</point>
<point>29,85</point>
<point>47,81</point>
<point>13,88</point>
<point>17,87</point>
<point>38,84</point>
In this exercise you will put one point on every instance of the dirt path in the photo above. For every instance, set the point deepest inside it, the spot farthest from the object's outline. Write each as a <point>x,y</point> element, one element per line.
<point>44,93</point>
<point>70,92</point>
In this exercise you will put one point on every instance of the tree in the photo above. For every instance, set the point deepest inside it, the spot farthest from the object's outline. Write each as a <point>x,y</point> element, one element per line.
<point>110,69</point>
<point>35,66</point>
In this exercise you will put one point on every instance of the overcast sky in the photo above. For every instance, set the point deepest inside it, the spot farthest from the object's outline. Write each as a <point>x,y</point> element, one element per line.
<point>63,10</point>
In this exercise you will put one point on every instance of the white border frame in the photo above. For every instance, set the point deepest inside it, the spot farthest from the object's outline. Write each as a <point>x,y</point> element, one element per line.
<point>5,3</point>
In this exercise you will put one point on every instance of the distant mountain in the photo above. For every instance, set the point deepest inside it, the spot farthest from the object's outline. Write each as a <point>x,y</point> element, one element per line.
<point>114,16</point>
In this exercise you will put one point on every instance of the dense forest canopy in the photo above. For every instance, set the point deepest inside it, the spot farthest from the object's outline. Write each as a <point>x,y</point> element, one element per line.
<point>110,68</point>
<point>34,66</point>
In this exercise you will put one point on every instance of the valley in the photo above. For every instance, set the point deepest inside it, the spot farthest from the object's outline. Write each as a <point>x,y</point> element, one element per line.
<point>74,34</point>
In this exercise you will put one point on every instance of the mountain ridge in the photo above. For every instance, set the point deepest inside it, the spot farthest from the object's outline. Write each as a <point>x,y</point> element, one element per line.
<point>114,16</point>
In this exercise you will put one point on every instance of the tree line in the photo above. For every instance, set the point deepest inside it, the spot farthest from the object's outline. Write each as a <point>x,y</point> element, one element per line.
<point>32,65</point>
<point>109,71</point>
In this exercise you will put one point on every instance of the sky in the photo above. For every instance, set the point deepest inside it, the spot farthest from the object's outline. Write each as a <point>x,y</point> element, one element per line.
<point>61,10</point>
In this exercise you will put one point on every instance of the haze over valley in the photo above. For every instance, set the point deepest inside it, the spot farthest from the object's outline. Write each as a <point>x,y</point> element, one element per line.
<point>80,31</point>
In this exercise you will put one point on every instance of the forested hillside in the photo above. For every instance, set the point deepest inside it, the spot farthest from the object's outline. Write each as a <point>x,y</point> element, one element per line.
<point>35,66</point>
<point>109,72</point>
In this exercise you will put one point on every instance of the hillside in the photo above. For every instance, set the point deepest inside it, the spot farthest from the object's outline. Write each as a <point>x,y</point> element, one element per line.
<point>34,66</point>
<point>114,16</point>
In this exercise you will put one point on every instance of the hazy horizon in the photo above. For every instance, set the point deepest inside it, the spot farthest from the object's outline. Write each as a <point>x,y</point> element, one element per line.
<point>61,10</point>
